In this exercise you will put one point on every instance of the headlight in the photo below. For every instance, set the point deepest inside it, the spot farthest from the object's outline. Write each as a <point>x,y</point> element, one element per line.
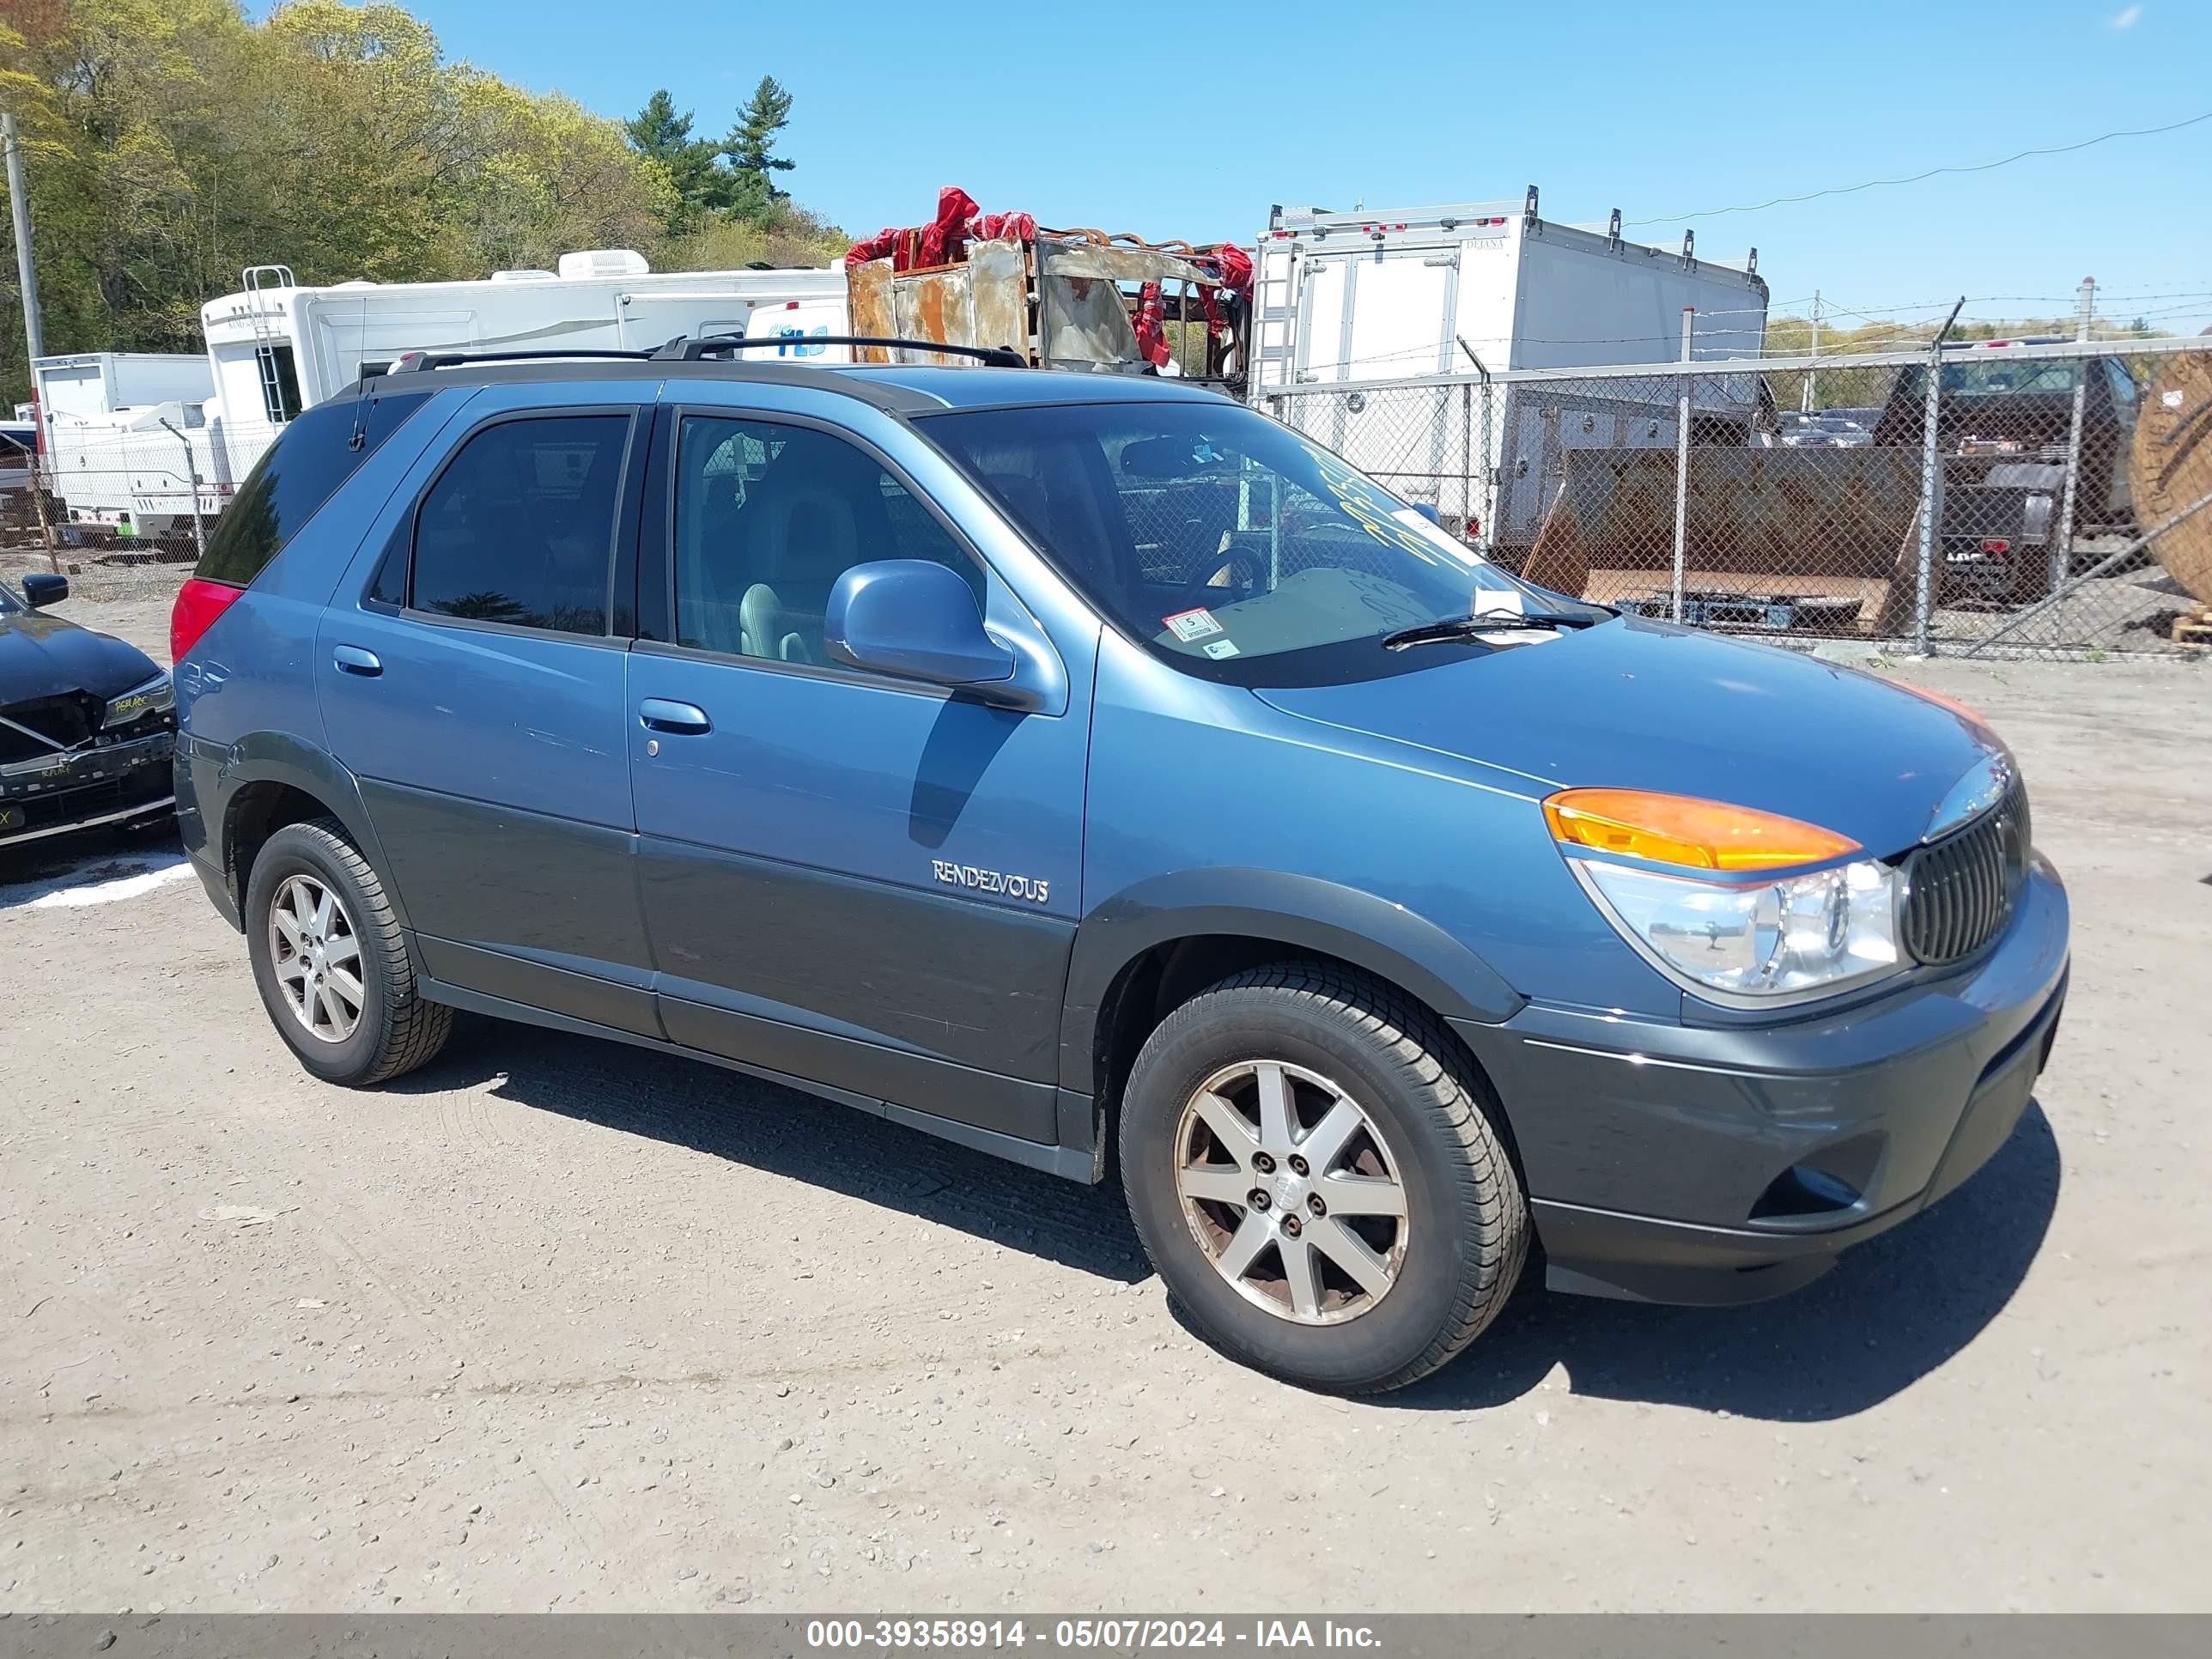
<point>1794,934</point>
<point>1713,920</point>
<point>155,696</point>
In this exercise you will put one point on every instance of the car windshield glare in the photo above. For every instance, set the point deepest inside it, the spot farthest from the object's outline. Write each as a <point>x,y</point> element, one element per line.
<point>1222,542</point>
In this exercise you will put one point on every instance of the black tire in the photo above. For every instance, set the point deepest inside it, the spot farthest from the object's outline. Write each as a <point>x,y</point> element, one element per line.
<point>398,1029</point>
<point>1468,1220</point>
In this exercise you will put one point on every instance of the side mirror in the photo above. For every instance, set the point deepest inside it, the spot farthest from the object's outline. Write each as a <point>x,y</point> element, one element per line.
<point>914,619</point>
<point>1428,510</point>
<point>43,587</point>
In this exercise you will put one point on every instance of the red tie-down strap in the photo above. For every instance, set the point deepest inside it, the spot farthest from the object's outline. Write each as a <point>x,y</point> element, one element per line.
<point>1235,266</point>
<point>1150,323</point>
<point>944,241</point>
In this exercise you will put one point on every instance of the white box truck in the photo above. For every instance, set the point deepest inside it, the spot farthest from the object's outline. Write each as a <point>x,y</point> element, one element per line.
<point>1448,295</point>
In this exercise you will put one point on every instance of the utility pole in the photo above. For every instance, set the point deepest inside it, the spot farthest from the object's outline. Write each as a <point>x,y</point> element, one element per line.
<point>1809,394</point>
<point>19,207</point>
<point>34,328</point>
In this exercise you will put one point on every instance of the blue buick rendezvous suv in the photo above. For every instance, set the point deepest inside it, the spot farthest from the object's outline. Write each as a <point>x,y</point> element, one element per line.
<point>1060,763</point>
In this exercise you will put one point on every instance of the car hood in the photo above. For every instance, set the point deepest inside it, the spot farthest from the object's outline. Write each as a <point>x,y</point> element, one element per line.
<point>43,656</point>
<point>1644,705</point>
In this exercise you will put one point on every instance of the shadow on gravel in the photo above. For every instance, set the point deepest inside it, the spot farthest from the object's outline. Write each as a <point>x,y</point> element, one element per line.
<point>1887,1313</point>
<point>729,1114</point>
<point>1892,1311</point>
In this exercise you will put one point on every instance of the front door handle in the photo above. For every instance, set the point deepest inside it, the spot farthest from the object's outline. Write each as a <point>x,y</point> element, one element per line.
<point>658,714</point>
<point>352,660</point>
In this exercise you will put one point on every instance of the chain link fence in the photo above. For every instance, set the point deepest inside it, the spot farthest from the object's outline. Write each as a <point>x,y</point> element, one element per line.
<point>1781,497</point>
<point>124,496</point>
<point>1790,498</point>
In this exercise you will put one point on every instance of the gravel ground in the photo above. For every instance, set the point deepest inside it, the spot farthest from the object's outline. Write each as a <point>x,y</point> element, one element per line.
<point>558,1324</point>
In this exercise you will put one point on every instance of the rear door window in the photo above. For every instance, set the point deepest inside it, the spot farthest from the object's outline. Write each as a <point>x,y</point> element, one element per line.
<point>519,528</point>
<point>310,458</point>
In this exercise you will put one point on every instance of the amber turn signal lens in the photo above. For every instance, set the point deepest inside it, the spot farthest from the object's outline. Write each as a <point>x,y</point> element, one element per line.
<point>1700,835</point>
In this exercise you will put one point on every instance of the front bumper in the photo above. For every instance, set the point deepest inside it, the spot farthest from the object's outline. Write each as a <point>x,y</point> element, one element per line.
<point>86,788</point>
<point>1731,1162</point>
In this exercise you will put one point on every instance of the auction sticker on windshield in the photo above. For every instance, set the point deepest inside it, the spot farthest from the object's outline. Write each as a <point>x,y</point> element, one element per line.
<point>1190,626</point>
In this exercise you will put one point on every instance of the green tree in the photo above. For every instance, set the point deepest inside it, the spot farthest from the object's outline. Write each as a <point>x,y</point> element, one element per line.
<point>692,165</point>
<point>750,147</point>
<point>170,144</point>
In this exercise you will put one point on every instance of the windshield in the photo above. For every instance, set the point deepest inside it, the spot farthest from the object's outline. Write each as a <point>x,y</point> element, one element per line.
<point>1222,541</point>
<point>9,604</point>
<point>1993,376</point>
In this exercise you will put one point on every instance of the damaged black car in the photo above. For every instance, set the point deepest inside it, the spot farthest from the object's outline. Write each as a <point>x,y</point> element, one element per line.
<point>88,722</point>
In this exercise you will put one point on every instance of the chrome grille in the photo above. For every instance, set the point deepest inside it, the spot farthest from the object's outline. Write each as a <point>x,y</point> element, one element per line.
<point>1961,891</point>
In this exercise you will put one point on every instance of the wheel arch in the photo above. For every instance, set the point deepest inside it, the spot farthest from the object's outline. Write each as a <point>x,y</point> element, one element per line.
<point>1149,948</point>
<point>274,779</point>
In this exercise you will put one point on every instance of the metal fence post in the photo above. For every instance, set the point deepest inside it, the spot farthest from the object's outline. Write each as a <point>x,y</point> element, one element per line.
<point>1682,460</point>
<point>2062,550</point>
<point>39,493</point>
<point>1489,535</point>
<point>1931,503</point>
<point>192,478</point>
<point>1467,518</point>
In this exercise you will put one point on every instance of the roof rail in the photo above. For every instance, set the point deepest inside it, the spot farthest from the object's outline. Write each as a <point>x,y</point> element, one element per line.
<point>416,362</point>
<point>683,349</point>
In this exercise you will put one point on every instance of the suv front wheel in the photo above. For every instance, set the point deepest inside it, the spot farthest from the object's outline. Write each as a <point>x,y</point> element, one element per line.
<point>1314,1168</point>
<point>331,963</point>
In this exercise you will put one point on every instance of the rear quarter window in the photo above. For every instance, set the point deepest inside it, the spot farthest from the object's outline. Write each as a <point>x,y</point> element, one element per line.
<point>312,457</point>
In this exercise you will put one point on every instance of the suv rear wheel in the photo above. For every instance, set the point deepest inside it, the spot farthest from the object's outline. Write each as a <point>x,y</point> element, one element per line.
<point>1314,1170</point>
<point>330,963</point>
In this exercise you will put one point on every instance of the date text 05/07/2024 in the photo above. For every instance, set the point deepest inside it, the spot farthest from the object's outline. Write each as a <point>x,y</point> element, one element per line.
<point>1110,1634</point>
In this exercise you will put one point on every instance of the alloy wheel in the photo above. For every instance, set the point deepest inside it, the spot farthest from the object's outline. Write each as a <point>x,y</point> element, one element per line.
<point>316,955</point>
<point>1291,1189</point>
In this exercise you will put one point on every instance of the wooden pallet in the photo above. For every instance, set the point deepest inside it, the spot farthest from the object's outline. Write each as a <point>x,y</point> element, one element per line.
<point>2193,627</point>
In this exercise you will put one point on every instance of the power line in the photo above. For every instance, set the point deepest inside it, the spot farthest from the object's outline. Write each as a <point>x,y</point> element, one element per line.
<point>1914,178</point>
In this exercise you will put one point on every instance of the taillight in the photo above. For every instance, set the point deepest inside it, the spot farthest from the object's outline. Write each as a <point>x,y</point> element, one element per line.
<point>199,604</point>
<point>1997,544</point>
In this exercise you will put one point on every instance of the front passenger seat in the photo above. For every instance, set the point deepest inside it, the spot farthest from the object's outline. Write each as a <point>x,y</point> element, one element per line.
<point>807,538</point>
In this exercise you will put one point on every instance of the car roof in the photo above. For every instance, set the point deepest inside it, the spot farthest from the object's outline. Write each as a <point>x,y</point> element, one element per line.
<point>1001,388</point>
<point>902,388</point>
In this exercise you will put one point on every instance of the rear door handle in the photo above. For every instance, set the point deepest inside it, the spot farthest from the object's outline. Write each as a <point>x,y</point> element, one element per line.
<point>352,660</point>
<point>658,714</point>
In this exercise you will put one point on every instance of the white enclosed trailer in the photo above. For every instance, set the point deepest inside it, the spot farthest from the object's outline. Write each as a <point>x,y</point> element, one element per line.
<point>275,347</point>
<point>127,439</point>
<point>1454,295</point>
<point>92,384</point>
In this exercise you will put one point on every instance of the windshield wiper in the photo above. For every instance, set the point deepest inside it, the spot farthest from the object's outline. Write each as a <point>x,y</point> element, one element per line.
<point>1485,621</point>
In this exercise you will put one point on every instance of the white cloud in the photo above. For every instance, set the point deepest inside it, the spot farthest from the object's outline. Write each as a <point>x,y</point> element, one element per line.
<point>2126,17</point>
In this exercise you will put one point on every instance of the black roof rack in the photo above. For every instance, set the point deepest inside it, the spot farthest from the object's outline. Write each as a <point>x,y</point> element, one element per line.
<point>479,368</point>
<point>683,349</point>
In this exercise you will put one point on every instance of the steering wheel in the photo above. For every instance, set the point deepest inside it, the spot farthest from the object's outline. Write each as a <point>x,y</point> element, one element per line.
<point>1247,575</point>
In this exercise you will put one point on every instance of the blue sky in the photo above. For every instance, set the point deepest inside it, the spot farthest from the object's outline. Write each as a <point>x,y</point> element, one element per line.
<point>1193,129</point>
